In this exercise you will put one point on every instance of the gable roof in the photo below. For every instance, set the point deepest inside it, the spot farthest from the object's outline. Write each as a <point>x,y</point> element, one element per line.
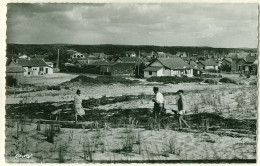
<point>209,63</point>
<point>227,59</point>
<point>14,68</point>
<point>174,63</point>
<point>130,59</point>
<point>33,62</point>
<point>193,63</point>
<point>152,68</point>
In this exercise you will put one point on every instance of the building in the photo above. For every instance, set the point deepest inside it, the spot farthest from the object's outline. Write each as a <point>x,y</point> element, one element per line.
<point>14,74</point>
<point>244,63</point>
<point>168,67</point>
<point>35,66</point>
<point>130,54</point>
<point>208,65</point>
<point>134,60</point>
<point>114,68</point>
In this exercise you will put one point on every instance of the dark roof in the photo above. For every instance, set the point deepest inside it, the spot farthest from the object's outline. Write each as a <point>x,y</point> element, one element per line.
<point>192,63</point>
<point>209,63</point>
<point>33,62</point>
<point>97,63</point>
<point>152,68</point>
<point>108,63</point>
<point>174,63</point>
<point>130,59</point>
<point>14,68</point>
<point>228,59</point>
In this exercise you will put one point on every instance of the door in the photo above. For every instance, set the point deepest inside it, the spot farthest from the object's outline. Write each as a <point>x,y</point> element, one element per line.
<point>46,70</point>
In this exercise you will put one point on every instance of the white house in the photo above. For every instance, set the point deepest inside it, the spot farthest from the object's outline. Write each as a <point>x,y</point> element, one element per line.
<point>168,67</point>
<point>130,54</point>
<point>35,66</point>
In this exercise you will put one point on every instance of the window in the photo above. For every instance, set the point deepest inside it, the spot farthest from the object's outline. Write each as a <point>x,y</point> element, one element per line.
<point>150,73</point>
<point>41,68</point>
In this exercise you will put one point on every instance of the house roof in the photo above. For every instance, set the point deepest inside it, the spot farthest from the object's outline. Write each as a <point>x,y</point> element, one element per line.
<point>97,63</point>
<point>228,59</point>
<point>14,68</point>
<point>192,63</point>
<point>130,59</point>
<point>108,63</point>
<point>209,63</point>
<point>174,63</point>
<point>33,62</point>
<point>152,68</point>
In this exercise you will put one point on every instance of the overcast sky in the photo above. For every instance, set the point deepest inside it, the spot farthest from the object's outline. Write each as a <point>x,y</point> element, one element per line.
<point>215,25</point>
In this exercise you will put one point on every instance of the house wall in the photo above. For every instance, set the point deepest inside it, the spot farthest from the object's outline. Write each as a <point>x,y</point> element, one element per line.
<point>240,65</point>
<point>50,70</point>
<point>158,73</point>
<point>234,65</point>
<point>211,67</point>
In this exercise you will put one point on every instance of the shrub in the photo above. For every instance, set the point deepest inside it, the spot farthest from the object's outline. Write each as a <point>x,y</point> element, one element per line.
<point>210,81</point>
<point>253,83</point>
<point>174,79</point>
<point>102,80</point>
<point>53,88</point>
<point>227,80</point>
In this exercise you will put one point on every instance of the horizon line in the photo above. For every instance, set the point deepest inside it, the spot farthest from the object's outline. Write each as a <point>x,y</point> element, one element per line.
<point>129,45</point>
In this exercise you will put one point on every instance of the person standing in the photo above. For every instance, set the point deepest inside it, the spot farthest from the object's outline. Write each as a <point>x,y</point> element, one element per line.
<point>181,103</point>
<point>78,106</point>
<point>158,106</point>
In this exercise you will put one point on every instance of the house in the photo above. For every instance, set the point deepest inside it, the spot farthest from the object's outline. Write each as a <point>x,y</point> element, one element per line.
<point>23,57</point>
<point>168,67</point>
<point>114,68</point>
<point>130,54</point>
<point>208,65</point>
<point>243,63</point>
<point>196,70</point>
<point>35,66</point>
<point>226,61</point>
<point>14,74</point>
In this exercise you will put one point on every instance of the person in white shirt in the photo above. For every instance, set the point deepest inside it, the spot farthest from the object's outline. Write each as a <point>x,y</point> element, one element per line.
<point>158,105</point>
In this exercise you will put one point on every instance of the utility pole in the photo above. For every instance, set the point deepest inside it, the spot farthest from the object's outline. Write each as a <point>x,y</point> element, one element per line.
<point>138,63</point>
<point>57,63</point>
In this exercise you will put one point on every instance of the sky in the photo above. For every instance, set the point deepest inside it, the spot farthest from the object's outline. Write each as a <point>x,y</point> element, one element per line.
<point>213,25</point>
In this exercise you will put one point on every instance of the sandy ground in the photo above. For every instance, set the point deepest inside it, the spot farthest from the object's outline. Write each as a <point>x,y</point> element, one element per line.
<point>83,145</point>
<point>108,145</point>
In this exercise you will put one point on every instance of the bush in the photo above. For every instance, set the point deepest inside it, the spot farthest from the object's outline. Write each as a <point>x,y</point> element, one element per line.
<point>53,88</point>
<point>227,80</point>
<point>102,80</point>
<point>253,83</point>
<point>174,79</point>
<point>210,81</point>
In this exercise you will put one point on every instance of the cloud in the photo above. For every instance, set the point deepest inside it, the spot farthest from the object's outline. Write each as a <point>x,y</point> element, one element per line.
<point>157,24</point>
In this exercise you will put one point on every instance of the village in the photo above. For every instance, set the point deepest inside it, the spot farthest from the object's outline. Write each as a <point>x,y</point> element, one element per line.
<point>131,83</point>
<point>132,64</point>
<point>117,92</point>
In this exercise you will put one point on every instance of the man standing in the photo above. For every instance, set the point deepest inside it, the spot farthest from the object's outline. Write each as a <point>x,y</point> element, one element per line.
<point>181,109</point>
<point>158,106</point>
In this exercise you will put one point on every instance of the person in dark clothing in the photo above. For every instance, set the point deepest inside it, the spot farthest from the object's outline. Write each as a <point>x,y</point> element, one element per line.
<point>181,109</point>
